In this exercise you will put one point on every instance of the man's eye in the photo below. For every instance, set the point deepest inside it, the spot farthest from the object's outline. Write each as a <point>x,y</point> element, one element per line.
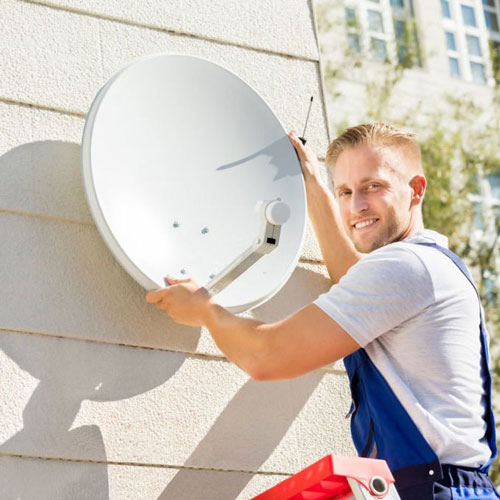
<point>344,193</point>
<point>373,185</point>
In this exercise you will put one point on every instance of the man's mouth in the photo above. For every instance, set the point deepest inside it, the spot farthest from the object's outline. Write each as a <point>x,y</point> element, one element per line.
<point>364,223</point>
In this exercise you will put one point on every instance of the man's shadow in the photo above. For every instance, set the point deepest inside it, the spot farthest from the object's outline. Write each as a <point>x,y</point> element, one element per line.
<point>244,435</point>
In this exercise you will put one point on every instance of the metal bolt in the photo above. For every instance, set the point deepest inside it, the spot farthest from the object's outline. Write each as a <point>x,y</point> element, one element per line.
<point>378,485</point>
<point>183,271</point>
<point>212,276</point>
<point>204,230</point>
<point>175,224</point>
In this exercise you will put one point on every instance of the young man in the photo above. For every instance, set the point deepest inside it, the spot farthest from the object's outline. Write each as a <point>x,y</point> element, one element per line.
<point>403,314</point>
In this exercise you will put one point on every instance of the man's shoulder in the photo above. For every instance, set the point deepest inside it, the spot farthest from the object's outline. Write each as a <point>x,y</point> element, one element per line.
<point>410,250</point>
<point>403,264</point>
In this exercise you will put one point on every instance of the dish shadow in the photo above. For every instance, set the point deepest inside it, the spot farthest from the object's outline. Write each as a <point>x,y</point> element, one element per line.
<point>278,153</point>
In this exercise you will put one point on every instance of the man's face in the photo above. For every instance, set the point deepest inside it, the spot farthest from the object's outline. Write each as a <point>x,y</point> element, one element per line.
<point>374,199</point>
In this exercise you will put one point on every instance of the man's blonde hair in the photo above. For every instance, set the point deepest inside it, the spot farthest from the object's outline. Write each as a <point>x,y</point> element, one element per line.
<point>381,136</point>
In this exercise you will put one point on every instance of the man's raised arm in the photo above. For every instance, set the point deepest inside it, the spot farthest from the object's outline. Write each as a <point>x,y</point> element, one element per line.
<point>338,251</point>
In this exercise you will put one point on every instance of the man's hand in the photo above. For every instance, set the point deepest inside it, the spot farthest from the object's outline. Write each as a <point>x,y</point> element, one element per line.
<point>308,160</point>
<point>184,301</point>
<point>337,249</point>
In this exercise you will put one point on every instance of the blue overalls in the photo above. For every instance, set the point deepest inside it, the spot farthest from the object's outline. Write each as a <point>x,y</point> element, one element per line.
<point>381,428</point>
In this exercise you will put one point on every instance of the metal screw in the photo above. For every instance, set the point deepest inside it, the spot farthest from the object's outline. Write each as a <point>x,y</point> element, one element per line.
<point>378,485</point>
<point>204,230</point>
<point>175,224</point>
<point>212,276</point>
<point>183,271</point>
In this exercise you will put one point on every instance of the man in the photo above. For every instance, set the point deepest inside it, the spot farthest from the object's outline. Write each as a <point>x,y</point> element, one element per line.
<point>403,314</point>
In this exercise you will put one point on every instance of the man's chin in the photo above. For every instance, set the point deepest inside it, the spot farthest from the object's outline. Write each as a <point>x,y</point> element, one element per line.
<point>368,246</point>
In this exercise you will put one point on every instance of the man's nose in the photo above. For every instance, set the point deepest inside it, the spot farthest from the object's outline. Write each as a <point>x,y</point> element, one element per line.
<point>358,203</point>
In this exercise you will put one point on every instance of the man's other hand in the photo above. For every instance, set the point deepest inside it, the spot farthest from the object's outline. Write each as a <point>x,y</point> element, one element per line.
<point>184,301</point>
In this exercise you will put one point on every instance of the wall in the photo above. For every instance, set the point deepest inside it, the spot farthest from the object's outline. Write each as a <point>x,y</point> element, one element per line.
<point>101,395</point>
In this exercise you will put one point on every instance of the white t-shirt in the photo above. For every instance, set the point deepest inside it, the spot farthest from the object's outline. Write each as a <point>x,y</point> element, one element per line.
<point>417,316</point>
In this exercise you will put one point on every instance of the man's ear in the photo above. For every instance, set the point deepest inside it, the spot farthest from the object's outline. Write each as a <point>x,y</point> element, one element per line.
<point>418,185</point>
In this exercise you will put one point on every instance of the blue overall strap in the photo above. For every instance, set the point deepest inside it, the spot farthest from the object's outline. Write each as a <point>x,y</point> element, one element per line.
<point>485,371</point>
<point>381,428</point>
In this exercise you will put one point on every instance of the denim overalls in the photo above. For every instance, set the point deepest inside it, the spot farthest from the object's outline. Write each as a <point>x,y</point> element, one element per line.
<point>381,428</point>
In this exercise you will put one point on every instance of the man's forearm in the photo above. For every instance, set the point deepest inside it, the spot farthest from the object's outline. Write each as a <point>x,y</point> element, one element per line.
<point>338,251</point>
<point>242,340</point>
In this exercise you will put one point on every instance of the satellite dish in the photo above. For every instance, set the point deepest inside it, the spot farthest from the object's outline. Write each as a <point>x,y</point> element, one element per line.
<point>185,169</point>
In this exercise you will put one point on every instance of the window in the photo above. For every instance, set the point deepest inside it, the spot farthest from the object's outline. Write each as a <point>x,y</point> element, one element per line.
<point>399,31</point>
<point>478,215</point>
<point>494,182</point>
<point>477,72</point>
<point>445,9</point>
<point>468,15</point>
<point>473,45</point>
<point>379,49</point>
<point>377,36</point>
<point>450,41</point>
<point>375,21</point>
<point>352,30</point>
<point>491,17</point>
<point>453,57</point>
<point>399,28</point>
<point>466,38</point>
<point>353,42</point>
<point>350,17</point>
<point>491,20</point>
<point>454,67</point>
<point>369,30</point>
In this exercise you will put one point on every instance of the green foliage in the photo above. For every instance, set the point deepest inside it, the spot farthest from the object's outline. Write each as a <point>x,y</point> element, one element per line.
<point>495,60</point>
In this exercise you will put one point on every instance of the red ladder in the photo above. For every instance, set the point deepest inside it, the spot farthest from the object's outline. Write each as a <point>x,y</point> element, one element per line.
<point>337,478</point>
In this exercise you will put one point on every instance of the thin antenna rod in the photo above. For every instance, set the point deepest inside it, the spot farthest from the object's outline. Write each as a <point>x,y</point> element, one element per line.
<point>302,138</point>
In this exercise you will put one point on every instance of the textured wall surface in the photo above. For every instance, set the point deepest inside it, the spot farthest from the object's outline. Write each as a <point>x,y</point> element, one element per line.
<point>101,395</point>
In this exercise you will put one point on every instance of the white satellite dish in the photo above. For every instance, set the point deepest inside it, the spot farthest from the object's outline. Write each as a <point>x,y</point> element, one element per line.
<point>185,169</point>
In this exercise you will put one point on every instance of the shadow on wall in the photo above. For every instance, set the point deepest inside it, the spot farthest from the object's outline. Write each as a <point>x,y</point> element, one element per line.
<point>245,433</point>
<point>69,372</point>
<point>66,270</point>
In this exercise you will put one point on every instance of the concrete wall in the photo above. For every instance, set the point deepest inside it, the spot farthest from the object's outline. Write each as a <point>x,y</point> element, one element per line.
<point>101,395</point>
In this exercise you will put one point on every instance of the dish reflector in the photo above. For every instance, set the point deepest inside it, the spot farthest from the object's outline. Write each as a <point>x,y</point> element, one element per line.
<point>178,155</point>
